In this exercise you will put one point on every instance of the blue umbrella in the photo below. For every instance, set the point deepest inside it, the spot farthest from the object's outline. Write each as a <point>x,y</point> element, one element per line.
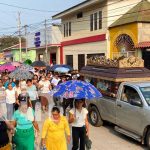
<point>64,66</point>
<point>76,89</point>
<point>62,70</point>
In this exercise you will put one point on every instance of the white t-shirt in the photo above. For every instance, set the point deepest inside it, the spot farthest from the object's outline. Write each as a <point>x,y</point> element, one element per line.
<point>23,84</point>
<point>46,85</point>
<point>55,81</point>
<point>80,117</point>
<point>10,96</point>
<point>18,90</point>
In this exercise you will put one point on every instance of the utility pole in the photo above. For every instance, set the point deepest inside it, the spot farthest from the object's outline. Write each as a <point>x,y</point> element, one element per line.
<point>25,27</point>
<point>19,26</point>
<point>46,48</point>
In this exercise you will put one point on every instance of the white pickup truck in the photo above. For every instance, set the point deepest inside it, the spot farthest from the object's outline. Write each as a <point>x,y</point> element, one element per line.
<point>129,111</point>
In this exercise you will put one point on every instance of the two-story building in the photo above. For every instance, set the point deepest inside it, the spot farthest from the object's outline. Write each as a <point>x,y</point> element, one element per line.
<point>47,43</point>
<point>83,32</point>
<point>85,28</point>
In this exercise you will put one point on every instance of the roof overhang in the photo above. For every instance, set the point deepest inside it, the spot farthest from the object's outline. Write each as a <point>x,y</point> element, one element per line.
<point>143,45</point>
<point>76,8</point>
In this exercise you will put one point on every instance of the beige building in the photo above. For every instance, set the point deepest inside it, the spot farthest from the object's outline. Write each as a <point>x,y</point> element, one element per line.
<point>47,44</point>
<point>85,28</point>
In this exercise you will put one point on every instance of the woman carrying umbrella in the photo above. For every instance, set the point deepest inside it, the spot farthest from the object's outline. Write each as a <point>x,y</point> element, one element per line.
<point>80,125</point>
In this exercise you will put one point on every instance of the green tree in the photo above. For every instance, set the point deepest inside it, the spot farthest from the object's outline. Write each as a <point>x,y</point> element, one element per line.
<point>7,41</point>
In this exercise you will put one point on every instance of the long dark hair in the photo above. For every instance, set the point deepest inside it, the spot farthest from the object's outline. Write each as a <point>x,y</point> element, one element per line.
<point>55,109</point>
<point>83,100</point>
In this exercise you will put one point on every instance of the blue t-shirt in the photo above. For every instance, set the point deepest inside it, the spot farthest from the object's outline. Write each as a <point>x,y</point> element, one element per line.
<point>22,121</point>
<point>32,92</point>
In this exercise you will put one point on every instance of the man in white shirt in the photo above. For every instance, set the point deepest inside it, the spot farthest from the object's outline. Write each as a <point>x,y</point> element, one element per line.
<point>55,80</point>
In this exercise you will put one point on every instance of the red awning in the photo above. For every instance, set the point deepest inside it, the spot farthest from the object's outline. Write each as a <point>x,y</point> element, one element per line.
<point>143,45</point>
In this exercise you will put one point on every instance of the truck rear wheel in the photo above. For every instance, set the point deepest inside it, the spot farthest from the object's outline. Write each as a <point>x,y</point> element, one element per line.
<point>94,117</point>
<point>148,139</point>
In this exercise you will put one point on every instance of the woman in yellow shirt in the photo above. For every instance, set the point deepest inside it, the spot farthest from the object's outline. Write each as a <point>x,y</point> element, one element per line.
<point>54,129</point>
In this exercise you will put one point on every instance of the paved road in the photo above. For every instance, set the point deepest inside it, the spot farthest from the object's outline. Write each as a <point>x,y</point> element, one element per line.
<point>106,138</point>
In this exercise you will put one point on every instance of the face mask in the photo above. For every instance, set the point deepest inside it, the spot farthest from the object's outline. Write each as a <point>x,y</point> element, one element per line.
<point>24,93</point>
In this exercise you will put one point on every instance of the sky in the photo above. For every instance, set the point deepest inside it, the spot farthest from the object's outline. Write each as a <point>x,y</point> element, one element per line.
<point>9,15</point>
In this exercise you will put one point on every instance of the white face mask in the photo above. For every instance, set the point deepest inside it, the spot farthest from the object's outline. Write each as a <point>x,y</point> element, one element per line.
<point>24,93</point>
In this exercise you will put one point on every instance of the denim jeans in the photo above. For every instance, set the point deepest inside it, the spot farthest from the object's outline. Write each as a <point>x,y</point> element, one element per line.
<point>10,110</point>
<point>3,109</point>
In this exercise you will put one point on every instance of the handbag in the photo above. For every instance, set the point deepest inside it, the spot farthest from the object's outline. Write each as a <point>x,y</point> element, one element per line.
<point>88,143</point>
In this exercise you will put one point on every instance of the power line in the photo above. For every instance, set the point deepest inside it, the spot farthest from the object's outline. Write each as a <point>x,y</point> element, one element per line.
<point>38,24</point>
<point>31,9</point>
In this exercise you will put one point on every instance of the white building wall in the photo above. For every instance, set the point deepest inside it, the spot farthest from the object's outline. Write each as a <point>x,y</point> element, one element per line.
<point>86,48</point>
<point>53,36</point>
<point>81,27</point>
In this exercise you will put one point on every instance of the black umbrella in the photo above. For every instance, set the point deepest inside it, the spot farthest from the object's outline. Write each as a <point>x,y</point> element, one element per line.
<point>38,64</point>
<point>49,68</point>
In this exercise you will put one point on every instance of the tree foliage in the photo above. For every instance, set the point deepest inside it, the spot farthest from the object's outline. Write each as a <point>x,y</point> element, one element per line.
<point>7,41</point>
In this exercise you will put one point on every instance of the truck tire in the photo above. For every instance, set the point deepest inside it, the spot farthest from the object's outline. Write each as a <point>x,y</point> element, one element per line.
<point>148,139</point>
<point>94,117</point>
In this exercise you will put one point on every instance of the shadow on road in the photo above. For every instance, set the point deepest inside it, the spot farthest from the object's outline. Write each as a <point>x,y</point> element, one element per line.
<point>111,129</point>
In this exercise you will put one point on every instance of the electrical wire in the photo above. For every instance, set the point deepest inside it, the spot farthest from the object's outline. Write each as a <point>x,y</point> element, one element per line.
<point>31,9</point>
<point>38,24</point>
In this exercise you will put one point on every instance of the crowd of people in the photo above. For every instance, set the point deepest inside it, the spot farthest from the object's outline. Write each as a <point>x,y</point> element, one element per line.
<point>18,101</point>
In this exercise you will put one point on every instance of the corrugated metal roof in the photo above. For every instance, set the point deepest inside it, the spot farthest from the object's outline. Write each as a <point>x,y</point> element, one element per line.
<point>139,13</point>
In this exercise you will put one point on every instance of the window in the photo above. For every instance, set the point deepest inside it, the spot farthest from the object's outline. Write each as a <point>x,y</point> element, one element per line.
<point>146,93</point>
<point>81,61</point>
<point>79,15</point>
<point>64,30</point>
<point>100,20</point>
<point>69,28</point>
<point>41,57</point>
<point>95,21</point>
<point>129,94</point>
<point>91,22</point>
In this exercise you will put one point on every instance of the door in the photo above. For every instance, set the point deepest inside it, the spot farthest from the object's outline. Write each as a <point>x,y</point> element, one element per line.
<point>81,61</point>
<point>129,116</point>
<point>53,58</point>
<point>145,57</point>
<point>69,60</point>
